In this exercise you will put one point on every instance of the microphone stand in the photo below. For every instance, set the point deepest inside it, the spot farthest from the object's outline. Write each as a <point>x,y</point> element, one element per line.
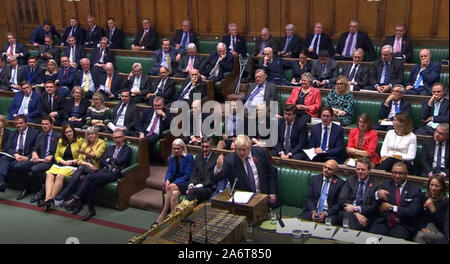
<point>185,220</point>
<point>206,227</point>
<point>280,221</point>
<point>232,193</point>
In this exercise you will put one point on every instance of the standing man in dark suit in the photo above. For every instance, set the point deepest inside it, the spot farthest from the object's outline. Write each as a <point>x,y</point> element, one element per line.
<point>40,33</point>
<point>324,71</point>
<point>248,168</point>
<point>165,56</point>
<point>115,35</point>
<point>73,30</point>
<point>154,122</point>
<point>322,195</point>
<point>259,92</point>
<point>318,41</point>
<point>25,102</point>
<point>33,73</point>
<point>110,83</point>
<point>51,104</point>
<point>12,75</point>
<point>125,115</point>
<point>137,83</point>
<point>434,110</point>
<point>19,146</point>
<point>93,33</point>
<point>290,45</point>
<point>399,203</point>
<point>146,37</point>
<point>87,78</point>
<point>75,52</point>
<point>236,44</point>
<point>393,105</point>
<point>164,87</point>
<point>101,55</point>
<point>192,85</point>
<point>200,187</point>
<point>327,138</point>
<point>114,159</point>
<point>47,52</point>
<point>292,136</point>
<point>217,64</point>
<point>42,157</point>
<point>435,157</point>
<point>273,66</point>
<point>423,75</point>
<point>357,197</point>
<point>357,73</point>
<point>386,71</point>
<point>400,42</point>
<point>353,40</point>
<point>183,37</point>
<point>188,61</point>
<point>14,49</point>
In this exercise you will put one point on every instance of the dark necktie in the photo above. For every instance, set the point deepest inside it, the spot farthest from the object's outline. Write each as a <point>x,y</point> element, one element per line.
<point>72,31</point>
<point>185,91</point>
<point>324,139</point>
<point>353,72</point>
<point>65,73</point>
<point>111,32</point>
<point>288,39</point>
<point>161,87</point>
<point>50,102</point>
<point>234,125</point>
<point>234,43</point>
<point>316,41</point>
<point>251,175</point>
<point>360,194</point>
<point>47,149</point>
<point>21,143</point>
<point>30,78</point>
<point>183,40</point>
<point>349,46</point>
<point>439,158</point>
<point>253,94</point>
<point>324,70</point>
<point>384,73</point>
<point>119,113</point>
<point>287,139</point>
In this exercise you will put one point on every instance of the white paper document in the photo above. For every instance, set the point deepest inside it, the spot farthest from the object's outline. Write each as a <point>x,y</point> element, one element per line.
<point>310,153</point>
<point>351,162</point>
<point>369,91</point>
<point>348,235</point>
<point>6,154</point>
<point>290,224</point>
<point>393,240</point>
<point>241,197</point>
<point>363,236</point>
<point>111,126</point>
<point>387,123</point>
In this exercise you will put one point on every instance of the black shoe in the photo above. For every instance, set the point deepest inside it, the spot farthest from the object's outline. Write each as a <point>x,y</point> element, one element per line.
<point>36,197</point>
<point>22,194</point>
<point>2,187</point>
<point>47,205</point>
<point>89,215</point>
<point>71,204</point>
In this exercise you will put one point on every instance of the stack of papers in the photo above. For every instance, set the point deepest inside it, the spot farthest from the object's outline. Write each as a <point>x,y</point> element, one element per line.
<point>241,197</point>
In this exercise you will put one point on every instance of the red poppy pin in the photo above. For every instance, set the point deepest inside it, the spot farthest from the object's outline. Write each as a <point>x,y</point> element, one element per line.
<point>255,160</point>
<point>404,42</point>
<point>335,181</point>
<point>370,185</point>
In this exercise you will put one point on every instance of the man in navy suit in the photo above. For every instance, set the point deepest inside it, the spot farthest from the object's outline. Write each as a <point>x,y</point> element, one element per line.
<point>110,83</point>
<point>322,197</point>
<point>357,73</point>
<point>19,146</point>
<point>25,102</point>
<point>74,51</point>
<point>423,75</point>
<point>183,37</point>
<point>318,41</point>
<point>393,105</point>
<point>249,169</point>
<point>217,64</point>
<point>38,35</point>
<point>73,30</point>
<point>236,44</point>
<point>14,49</point>
<point>112,162</point>
<point>165,56</point>
<point>33,73</point>
<point>357,197</point>
<point>386,71</point>
<point>50,103</point>
<point>324,71</point>
<point>273,67</point>
<point>434,110</point>
<point>188,61</point>
<point>164,87</point>
<point>87,78</point>
<point>115,35</point>
<point>353,40</point>
<point>12,75</point>
<point>327,138</point>
<point>291,44</point>
<point>101,55</point>
<point>93,33</point>
<point>292,136</point>
<point>402,45</point>
<point>435,153</point>
<point>66,77</point>
<point>125,115</point>
<point>146,37</point>
<point>399,203</point>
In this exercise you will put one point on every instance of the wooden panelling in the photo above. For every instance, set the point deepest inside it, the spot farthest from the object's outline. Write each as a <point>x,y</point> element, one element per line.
<point>395,13</point>
<point>276,24</point>
<point>421,19</point>
<point>130,20</point>
<point>256,21</point>
<point>321,14</point>
<point>442,29</point>
<point>369,23</point>
<point>162,17</point>
<point>345,11</point>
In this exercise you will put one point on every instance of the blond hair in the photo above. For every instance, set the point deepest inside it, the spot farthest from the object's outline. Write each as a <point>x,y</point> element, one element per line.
<point>179,142</point>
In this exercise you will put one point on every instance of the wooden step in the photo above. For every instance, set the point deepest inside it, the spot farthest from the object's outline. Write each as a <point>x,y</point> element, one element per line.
<point>147,199</point>
<point>157,177</point>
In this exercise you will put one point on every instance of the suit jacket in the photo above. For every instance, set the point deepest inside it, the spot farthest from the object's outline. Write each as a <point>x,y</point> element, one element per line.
<point>200,88</point>
<point>270,92</point>
<point>5,77</point>
<point>40,146</point>
<point>315,189</point>
<point>144,84</point>
<point>428,111</point>
<point>362,41</point>
<point>294,46</point>
<point>297,71</point>
<point>394,75</point>
<point>116,83</point>
<point>348,193</point>
<point>298,139</point>
<point>37,77</point>
<point>157,60</point>
<point>116,40</point>
<point>120,162</point>
<point>108,56</point>
<point>324,44</point>
<point>28,144</point>
<point>78,79</point>
<point>179,35</point>
<point>79,53</point>
<point>79,34</point>
<point>233,169</point>
<point>186,166</point>
<point>226,65</point>
<point>429,147</point>
<point>203,171</point>
<point>53,50</point>
<point>274,70</point>
<point>44,105</point>
<point>271,42</point>
<point>20,48</point>
<point>430,75</point>
<point>404,106</point>
<point>410,205</point>
<point>168,92</point>
<point>33,111</point>
<point>335,143</point>
<point>5,139</point>
<point>361,75</point>
<point>241,44</point>
<point>38,35</point>
<point>131,117</point>
<point>332,71</point>
<point>68,105</point>
<point>69,79</point>
<point>407,49</point>
<point>184,62</point>
<point>164,124</point>
<point>91,39</point>
<point>149,41</point>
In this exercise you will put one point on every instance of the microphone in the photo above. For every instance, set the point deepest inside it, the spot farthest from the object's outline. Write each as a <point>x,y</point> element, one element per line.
<point>280,221</point>
<point>232,188</point>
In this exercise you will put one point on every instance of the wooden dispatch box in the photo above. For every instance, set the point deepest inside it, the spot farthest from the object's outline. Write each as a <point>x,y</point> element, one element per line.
<point>255,210</point>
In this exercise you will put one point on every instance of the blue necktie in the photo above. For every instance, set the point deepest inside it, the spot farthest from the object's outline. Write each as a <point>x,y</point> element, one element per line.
<point>353,72</point>
<point>288,39</point>
<point>439,158</point>
<point>419,80</point>
<point>384,74</point>
<point>349,46</point>
<point>397,109</point>
<point>360,194</point>
<point>323,196</point>
<point>251,176</point>
<point>324,139</point>
<point>253,94</point>
<point>324,70</point>
<point>47,149</point>
<point>30,78</point>
<point>185,91</point>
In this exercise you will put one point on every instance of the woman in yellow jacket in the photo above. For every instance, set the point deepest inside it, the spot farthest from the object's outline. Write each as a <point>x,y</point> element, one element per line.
<point>88,161</point>
<point>66,156</point>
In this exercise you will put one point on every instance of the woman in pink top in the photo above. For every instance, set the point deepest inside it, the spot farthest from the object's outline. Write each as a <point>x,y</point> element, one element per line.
<point>306,98</point>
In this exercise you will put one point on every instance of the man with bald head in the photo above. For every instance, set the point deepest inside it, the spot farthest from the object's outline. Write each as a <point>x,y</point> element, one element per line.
<point>262,42</point>
<point>110,83</point>
<point>217,64</point>
<point>322,198</point>
<point>423,75</point>
<point>86,78</point>
<point>273,66</point>
<point>318,41</point>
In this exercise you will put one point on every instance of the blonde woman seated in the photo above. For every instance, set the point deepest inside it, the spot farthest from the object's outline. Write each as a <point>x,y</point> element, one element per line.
<point>341,101</point>
<point>66,156</point>
<point>4,133</point>
<point>178,174</point>
<point>88,161</point>
<point>51,73</point>
<point>98,115</point>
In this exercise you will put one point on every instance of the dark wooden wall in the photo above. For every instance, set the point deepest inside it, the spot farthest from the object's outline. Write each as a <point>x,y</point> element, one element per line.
<point>425,20</point>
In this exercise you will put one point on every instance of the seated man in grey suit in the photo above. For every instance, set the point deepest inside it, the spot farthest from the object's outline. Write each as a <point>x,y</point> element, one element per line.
<point>48,52</point>
<point>356,72</point>
<point>325,70</point>
<point>386,71</point>
<point>137,83</point>
<point>188,61</point>
<point>260,91</point>
<point>434,110</point>
<point>435,153</point>
<point>393,105</point>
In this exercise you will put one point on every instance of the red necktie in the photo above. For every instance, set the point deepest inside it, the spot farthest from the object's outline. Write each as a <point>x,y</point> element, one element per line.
<point>393,216</point>
<point>11,50</point>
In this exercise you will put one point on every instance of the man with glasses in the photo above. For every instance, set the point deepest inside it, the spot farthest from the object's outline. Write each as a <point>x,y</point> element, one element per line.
<point>357,73</point>
<point>402,45</point>
<point>393,105</point>
<point>353,40</point>
<point>137,83</point>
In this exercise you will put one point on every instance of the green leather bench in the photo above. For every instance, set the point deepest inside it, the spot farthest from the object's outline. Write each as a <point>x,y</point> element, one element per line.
<point>124,63</point>
<point>5,102</point>
<point>206,46</point>
<point>292,188</point>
